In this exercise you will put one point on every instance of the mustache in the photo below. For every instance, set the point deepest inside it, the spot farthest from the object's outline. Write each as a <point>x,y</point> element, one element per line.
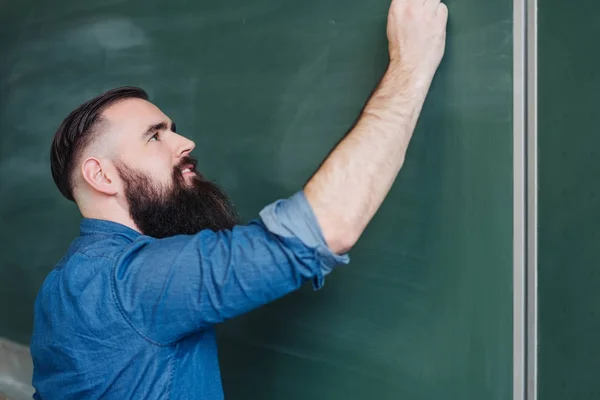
<point>186,161</point>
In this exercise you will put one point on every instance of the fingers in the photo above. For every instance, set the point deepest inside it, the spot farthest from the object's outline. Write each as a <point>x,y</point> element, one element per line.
<point>442,11</point>
<point>439,8</point>
<point>436,7</point>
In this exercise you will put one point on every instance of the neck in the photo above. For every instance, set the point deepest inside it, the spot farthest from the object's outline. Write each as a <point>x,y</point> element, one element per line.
<point>108,213</point>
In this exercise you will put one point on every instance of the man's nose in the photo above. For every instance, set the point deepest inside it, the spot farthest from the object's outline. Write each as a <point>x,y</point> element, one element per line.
<point>184,146</point>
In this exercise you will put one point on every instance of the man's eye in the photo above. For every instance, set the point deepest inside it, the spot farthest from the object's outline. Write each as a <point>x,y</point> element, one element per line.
<point>154,137</point>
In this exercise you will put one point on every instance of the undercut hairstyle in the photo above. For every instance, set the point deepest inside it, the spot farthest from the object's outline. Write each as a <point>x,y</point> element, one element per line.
<point>78,130</point>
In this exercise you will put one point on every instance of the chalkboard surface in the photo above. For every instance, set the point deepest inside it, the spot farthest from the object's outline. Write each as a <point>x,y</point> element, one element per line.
<point>266,88</point>
<point>569,201</point>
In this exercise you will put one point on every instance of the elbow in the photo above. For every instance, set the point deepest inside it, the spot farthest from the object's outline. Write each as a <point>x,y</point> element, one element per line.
<point>341,241</point>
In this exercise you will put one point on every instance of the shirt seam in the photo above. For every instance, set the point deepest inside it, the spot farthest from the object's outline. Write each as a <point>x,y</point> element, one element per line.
<point>171,368</point>
<point>88,255</point>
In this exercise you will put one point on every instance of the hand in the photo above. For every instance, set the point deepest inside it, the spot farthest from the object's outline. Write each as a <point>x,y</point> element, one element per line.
<point>417,36</point>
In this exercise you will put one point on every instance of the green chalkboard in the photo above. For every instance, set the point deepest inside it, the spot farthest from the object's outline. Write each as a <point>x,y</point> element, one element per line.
<point>569,201</point>
<point>266,88</point>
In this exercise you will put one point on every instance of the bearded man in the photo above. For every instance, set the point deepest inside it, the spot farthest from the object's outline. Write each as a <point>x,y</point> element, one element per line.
<point>130,310</point>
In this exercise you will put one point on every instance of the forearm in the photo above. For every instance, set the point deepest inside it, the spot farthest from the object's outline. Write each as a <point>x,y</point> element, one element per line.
<point>347,190</point>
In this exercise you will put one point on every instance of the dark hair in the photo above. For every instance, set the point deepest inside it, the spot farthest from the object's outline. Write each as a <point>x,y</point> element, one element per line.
<point>77,131</point>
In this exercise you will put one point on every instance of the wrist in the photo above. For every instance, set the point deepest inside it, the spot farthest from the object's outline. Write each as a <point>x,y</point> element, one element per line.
<point>411,78</point>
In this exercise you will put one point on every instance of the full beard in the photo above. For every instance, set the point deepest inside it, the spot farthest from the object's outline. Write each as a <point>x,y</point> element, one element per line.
<point>184,208</point>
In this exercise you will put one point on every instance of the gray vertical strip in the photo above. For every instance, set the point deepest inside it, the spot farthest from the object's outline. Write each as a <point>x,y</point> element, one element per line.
<point>532,201</point>
<point>520,199</point>
<point>525,201</point>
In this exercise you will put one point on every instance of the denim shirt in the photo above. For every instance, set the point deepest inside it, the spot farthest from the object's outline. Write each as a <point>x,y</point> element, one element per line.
<point>127,316</point>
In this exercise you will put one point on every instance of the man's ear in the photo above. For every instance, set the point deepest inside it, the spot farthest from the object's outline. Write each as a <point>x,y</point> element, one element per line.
<point>100,176</point>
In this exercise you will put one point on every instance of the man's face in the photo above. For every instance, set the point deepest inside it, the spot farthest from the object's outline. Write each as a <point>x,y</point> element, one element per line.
<point>166,194</point>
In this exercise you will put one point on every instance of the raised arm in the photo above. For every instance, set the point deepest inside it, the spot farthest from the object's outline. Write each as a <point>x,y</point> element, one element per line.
<point>351,184</point>
<point>170,287</point>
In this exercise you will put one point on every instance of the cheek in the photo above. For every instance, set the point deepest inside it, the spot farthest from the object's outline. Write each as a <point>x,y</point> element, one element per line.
<point>164,172</point>
<point>160,169</point>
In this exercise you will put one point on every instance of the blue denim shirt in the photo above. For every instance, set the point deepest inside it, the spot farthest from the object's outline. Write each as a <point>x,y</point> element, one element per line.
<point>127,316</point>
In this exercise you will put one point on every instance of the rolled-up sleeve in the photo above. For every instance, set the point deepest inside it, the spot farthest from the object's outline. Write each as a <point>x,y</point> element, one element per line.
<point>169,288</point>
<point>294,218</point>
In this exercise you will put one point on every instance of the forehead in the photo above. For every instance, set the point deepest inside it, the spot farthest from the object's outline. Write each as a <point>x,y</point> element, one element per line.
<point>133,116</point>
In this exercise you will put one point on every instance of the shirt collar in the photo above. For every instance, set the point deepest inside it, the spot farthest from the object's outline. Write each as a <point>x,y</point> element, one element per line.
<point>91,226</point>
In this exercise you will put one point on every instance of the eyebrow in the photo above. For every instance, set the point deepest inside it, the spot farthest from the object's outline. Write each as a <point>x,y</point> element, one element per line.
<point>161,126</point>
